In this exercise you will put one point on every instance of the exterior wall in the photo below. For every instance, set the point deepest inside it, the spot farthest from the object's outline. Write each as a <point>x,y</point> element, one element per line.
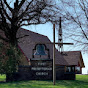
<point>60,70</point>
<point>69,76</point>
<point>26,73</point>
<point>24,61</point>
<point>61,73</point>
<point>78,68</point>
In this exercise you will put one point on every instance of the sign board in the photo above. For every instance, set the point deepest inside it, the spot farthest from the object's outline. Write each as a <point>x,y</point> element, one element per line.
<point>41,68</point>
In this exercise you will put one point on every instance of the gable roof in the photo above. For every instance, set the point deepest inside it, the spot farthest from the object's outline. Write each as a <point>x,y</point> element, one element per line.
<point>73,58</point>
<point>28,43</point>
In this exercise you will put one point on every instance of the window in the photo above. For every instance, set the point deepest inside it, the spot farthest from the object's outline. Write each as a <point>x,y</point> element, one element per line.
<point>40,49</point>
<point>70,69</point>
<point>77,69</point>
<point>73,69</point>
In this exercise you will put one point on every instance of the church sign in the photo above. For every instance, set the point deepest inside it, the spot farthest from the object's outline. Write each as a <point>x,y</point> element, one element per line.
<point>41,68</point>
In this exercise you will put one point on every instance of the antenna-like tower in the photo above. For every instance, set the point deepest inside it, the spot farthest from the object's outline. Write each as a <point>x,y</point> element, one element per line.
<point>60,39</point>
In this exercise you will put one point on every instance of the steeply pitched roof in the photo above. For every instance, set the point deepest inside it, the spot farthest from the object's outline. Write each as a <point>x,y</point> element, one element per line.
<point>28,43</point>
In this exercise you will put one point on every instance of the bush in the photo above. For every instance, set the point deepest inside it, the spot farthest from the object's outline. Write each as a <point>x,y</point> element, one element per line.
<point>9,59</point>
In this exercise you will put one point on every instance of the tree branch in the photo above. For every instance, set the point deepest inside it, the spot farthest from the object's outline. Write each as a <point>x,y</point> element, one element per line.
<point>83,8</point>
<point>5,12</point>
<point>28,5</point>
<point>3,39</point>
<point>22,36</point>
<point>8,5</point>
<point>20,5</point>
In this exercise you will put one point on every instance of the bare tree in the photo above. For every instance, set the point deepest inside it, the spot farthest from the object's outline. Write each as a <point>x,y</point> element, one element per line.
<point>18,13</point>
<point>75,16</point>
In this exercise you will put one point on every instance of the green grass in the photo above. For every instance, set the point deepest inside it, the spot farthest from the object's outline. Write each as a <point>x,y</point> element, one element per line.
<point>80,82</point>
<point>2,77</point>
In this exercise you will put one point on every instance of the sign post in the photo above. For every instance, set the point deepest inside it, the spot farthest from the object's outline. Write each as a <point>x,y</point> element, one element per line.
<point>54,72</point>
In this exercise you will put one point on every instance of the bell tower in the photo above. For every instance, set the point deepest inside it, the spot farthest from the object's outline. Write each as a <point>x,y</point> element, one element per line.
<point>60,39</point>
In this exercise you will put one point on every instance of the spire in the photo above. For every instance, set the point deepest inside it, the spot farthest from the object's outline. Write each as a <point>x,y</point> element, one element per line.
<point>60,39</point>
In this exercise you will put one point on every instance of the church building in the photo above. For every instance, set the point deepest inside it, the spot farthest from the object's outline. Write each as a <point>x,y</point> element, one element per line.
<point>37,60</point>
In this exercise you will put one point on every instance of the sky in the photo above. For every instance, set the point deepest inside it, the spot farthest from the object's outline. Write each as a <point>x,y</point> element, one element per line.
<point>47,29</point>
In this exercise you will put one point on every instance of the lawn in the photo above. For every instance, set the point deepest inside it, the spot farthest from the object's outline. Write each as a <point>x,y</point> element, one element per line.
<point>2,77</point>
<point>80,82</point>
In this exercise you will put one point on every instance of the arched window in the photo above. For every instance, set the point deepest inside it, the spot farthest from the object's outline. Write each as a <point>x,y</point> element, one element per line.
<point>40,49</point>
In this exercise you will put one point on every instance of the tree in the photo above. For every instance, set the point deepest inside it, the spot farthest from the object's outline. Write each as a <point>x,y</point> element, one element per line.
<point>9,60</point>
<point>18,13</point>
<point>75,16</point>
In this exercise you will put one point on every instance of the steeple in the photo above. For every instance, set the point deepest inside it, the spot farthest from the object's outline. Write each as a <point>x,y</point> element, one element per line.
<point>60,39</point>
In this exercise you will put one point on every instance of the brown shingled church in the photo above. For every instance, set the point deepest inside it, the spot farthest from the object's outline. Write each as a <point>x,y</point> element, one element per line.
<point>37,61</point>
<point>67,63</point>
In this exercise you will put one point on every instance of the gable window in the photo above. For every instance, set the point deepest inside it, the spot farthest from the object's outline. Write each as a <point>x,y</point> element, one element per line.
<point>40,49</point>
